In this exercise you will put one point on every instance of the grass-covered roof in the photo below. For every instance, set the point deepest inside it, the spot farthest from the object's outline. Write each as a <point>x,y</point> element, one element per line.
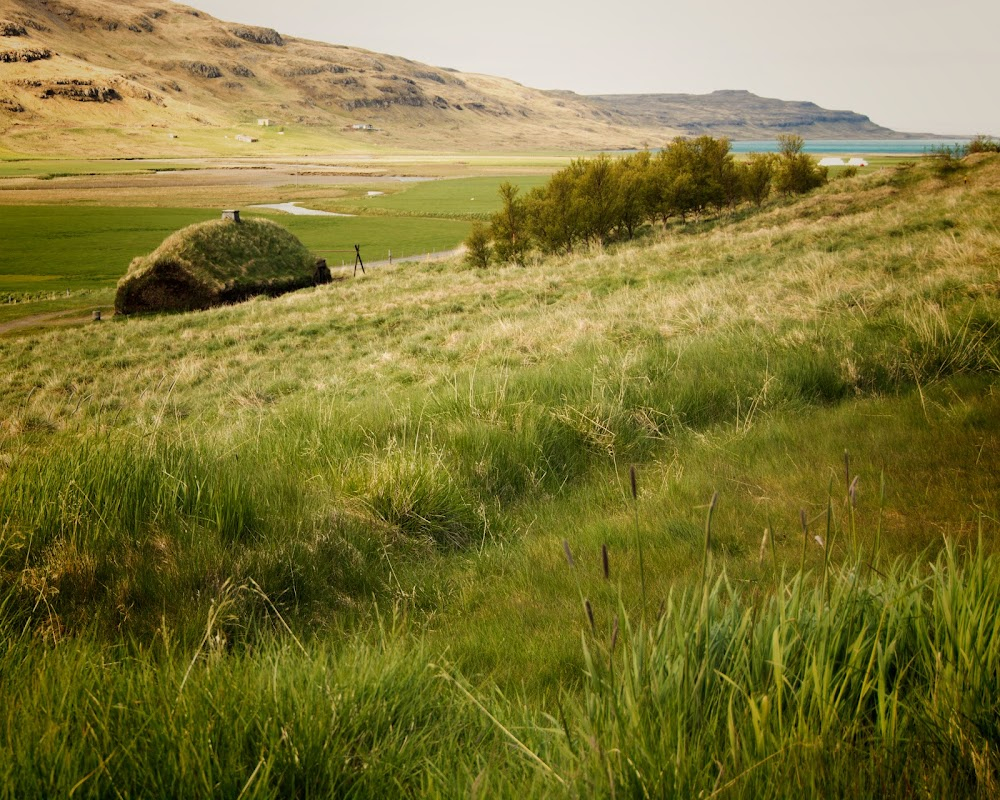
<point>215,262</point>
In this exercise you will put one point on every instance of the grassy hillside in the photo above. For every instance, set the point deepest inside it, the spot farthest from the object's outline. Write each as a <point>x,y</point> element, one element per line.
<point>165,79</point>
<point>109,78</point>
<point>223,530</point>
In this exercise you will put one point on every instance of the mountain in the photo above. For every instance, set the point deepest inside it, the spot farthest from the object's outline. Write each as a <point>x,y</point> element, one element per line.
<point>741,115</point>
<point>105,77</point>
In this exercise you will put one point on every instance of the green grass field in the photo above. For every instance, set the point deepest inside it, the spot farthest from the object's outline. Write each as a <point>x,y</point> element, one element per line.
<point>51,168</point>
<point>352,541</point>
<point>51,249</point>
<point>453,197</point>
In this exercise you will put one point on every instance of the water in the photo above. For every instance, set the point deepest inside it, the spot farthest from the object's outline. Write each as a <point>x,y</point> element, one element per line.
<point>914,147</point>
<point>299,211</point>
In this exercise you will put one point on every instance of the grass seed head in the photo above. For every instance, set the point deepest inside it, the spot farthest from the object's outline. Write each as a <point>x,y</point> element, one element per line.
<point>569,553</point>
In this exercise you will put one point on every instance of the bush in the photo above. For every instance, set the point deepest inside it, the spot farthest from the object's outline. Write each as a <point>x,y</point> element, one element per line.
<point>478,247</point>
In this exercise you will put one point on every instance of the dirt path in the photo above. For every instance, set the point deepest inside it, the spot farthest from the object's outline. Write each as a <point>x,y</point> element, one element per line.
<point>50,320</point>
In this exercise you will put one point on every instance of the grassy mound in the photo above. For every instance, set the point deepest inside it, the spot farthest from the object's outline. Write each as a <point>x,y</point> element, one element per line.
<point>216,262</point>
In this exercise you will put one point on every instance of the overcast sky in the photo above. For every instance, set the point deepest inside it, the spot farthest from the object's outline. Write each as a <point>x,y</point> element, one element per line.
<point>911,66</point>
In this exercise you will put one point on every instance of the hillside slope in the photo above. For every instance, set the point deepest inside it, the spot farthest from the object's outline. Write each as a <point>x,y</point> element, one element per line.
<point>314,539</point>
<point>139,72</point>
<point>106,77</point>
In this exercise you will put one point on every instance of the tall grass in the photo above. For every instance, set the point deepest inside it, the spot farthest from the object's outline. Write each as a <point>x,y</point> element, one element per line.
<point>370,721</point>
<point>844,689</point>
<point>219,500</point>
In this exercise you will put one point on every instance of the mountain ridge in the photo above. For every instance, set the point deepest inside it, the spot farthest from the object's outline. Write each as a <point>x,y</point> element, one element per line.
<point>157,77</point>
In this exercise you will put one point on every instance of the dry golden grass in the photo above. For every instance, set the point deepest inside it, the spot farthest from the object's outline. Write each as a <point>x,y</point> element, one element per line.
<point>159,60</point>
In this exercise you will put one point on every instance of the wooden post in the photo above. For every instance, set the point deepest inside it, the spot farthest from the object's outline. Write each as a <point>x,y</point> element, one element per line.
<point>357,260</point>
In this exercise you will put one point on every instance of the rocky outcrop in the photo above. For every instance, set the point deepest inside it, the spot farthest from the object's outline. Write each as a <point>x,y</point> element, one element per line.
<point>258,35</point>
<point>201,70</point>
<point>80,90</point>
<point>26,56</point>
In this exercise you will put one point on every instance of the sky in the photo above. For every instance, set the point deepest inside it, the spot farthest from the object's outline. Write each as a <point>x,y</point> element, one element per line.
<point>911,66</point>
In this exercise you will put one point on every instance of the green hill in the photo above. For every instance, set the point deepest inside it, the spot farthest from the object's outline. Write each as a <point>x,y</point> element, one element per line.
<point>349,541</point>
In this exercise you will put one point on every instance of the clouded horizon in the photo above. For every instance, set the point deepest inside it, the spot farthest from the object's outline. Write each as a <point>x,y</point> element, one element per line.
<point>907,66</point>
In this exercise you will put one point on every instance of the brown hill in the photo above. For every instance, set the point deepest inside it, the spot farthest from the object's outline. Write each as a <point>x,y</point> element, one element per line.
<point>106,77</point>
<point>122,76</point>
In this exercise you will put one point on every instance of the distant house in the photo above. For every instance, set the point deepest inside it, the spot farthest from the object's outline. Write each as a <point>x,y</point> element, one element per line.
<point>363,126</point>
<point>857,162</point>
<point>264,122</point>
<point>831,161</point>
<point>242,137</point>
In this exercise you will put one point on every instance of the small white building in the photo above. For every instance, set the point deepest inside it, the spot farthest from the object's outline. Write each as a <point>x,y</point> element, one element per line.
<point>264,122</point>
<point>242,137</point>
<point>857,162</point>
<point>363,126</point>
<point>831,161</point>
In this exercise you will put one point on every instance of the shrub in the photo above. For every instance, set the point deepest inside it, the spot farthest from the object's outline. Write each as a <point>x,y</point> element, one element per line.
<point>478,247</point>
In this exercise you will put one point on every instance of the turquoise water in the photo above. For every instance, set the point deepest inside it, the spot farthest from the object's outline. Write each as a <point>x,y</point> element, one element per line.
<point>852,146</point>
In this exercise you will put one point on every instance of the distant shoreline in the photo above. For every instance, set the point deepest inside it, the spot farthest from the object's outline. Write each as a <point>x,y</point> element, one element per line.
<point>845,147</point>
<point>881,147</point>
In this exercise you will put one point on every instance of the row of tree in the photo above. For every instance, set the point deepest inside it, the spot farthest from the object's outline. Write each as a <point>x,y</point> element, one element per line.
<point>602,199</point>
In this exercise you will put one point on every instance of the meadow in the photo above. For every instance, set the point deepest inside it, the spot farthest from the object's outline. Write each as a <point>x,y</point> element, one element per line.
<point>48,169</point>
<point>712,513</point>
<point>60,257</point>
<point>457,198</point>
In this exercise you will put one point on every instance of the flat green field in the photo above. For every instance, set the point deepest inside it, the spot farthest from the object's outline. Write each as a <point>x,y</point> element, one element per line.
<point>52,168</point>
<point>54,248</point>
<point>65,248</point>
<point>457,197</point>
<point>404,236</point>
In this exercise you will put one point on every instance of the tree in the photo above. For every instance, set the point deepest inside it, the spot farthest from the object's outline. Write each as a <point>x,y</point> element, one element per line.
<point>632,182</point>
<point>597,195</point>
<point>553,210</point>
<point>756,175</point>
<point>795,172</point>
<point>479,246</point>
<point>509,227</point>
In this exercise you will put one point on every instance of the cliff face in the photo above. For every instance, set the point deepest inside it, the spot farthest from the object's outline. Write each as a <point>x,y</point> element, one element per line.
<point>741,115</point>
<point>116,72</point>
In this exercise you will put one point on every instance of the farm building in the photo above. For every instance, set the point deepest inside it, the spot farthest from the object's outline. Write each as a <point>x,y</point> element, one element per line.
<point>242,137</point>
<point>857,162</point>
<point>831,161</point>
<point>217,262</point>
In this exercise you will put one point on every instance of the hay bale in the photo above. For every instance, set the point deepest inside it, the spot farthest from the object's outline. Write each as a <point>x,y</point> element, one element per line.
<point>213,263</point>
